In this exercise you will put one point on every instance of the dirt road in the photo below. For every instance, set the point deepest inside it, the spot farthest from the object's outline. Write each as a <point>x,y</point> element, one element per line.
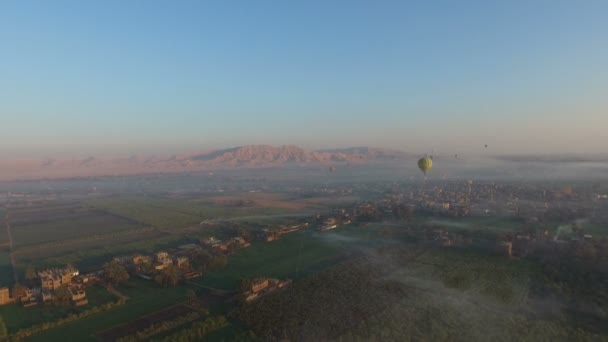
<point>10,247</point>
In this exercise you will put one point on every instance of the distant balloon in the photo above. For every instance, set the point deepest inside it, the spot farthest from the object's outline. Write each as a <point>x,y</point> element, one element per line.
<point>456,156</point>
<point>486,145</point>
<point>332,169</point>
<point>425,164</point>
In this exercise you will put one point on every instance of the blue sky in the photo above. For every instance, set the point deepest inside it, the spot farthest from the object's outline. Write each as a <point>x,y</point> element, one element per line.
<point>123,77</point>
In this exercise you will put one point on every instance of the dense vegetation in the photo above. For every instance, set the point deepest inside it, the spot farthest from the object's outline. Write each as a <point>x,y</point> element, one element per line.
<point>160,327</point>
<point>197,330</point>
<point>36,329</point>
<point>421,294</point>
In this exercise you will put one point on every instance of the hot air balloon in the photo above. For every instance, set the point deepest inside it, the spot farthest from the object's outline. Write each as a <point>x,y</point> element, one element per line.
<point>425,164</point>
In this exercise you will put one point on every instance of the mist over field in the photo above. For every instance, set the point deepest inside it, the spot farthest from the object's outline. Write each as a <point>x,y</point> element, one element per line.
<point>446,168</point>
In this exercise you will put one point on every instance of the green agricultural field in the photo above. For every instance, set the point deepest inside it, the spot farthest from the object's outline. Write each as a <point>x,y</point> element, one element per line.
<point>45,208</point>
<point>93,258</point>
<point>98,295</point>
<point>145,298</point>
<point>176,213</point>
<point>293,256</point>
<point>6,270</point>
<point>83,245</point>
<point>17,317</point>
<point>3,232</point>
<point>68,228</point>
<point>484,226</point>
<point>596,230</point>
<point>154,212</point>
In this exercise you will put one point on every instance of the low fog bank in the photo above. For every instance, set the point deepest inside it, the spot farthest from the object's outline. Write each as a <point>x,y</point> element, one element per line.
<point>461,297</point>
<point>444,169</point>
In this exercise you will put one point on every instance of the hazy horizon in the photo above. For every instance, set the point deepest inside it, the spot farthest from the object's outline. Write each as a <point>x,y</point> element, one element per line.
<point>115,78</point>
<point>167,151</point>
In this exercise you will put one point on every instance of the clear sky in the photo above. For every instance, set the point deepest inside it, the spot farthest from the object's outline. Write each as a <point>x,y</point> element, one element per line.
<point>134,76</point>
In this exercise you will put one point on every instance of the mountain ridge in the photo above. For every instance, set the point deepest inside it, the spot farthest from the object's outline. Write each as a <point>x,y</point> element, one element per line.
<point>246,156</point>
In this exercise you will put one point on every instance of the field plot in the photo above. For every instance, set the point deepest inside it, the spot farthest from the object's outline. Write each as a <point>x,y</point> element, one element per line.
<point>293,256</point>
<point>83,245</point>
<point>480,225</point>
<point>328,201</point>
<point>44,211</point>
<point>144,297</point>
<point>169,214</point>
<point>3,232</point>
<point>17,317</point>
<point>33,226</point>
<point>92,258</point>
<point>256,199</point>
<point>6,270</point>
<point>143,322</point>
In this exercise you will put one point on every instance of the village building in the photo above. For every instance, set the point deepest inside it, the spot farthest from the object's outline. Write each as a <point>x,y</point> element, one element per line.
<point>182,262</point>
<point>51,279</point>
<point>47,296</point>
<point>5,297</point>
<point>162,257</point>
<point>211,241</point>
<point>79,296</point>
<point>139,259</point>
<point>263,286</point>
<point>163,260</point>
<point>240,242</point>
<point>268,235</point>
<point>31,297</point>
<point>330,223</point>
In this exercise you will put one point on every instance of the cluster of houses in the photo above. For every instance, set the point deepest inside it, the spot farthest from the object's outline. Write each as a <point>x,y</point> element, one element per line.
<point>519,246</point>
<point>227,245</point>
<point>273,234</point>
<point>49,281</point>
<point>144,266</point>
<point>52,279</point>
<point>334,221</point>
<point>263,286</point>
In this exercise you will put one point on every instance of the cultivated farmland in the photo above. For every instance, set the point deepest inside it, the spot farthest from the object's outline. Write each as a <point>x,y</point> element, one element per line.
<point>32,226</point>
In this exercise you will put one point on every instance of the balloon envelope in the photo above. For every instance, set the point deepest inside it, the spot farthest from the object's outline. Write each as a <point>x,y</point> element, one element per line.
<point>425,164</point>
